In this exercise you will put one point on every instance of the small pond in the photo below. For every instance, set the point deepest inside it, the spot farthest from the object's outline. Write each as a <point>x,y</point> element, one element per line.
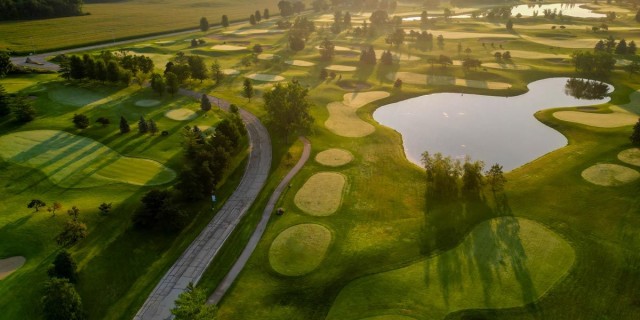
<point>568,9</point>
<point>492,129</point>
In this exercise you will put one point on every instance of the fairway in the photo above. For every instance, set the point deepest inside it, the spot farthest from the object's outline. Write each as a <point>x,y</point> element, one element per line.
<point>300,249</point>
<point>72,161</point>
<point>503,263</point>
<point>321,195</point>
<point>147,103</point>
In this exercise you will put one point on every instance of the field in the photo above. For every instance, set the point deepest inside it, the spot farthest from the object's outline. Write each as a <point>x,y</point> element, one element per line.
<point>356,240</point>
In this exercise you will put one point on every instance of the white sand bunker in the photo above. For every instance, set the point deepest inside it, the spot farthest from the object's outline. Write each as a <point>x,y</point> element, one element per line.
<point>341,49</point>
<point>618,118</point>
<point>339,67</point>
<point>181,114</point>
<point>534,54</point>
<point>630,156</point>
<point>334,157</point>
<point>164,42</point>
<point>299,63</point>
<point>267,56</point>
<point>227,47</point>
<point>253,31</point>
<point>147,103</point>
<point>609,175</point>
<point>321,195</point>
<point>9,265</point>
<point>343,119</point>
<point>230,72</point>
<point>506,66</point>
<point>399,56</point>
<point>265,77</point>
<point>419,78</point>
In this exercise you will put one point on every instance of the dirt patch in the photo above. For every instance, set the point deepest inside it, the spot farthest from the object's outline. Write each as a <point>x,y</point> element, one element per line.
<point>321,195</point>
<point>227,47</point>
<point>147,103</point>
<point>299,63</point>
<point>424,79</point>
<point>300,249</point>
<point>265,77</point>
<point>353,85</point>
<point>630,156</point>
<point>9,265</point>
<point>610,175</point>
<point>338,67</point>
<point>334,157</point>
<point>181,114</point>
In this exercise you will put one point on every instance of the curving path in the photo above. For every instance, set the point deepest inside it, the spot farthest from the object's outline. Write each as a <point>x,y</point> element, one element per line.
<point>196,258</point>
<point>260,228</point>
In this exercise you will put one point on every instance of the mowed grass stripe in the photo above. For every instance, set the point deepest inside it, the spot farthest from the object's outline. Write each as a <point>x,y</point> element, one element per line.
<point>72,161</point>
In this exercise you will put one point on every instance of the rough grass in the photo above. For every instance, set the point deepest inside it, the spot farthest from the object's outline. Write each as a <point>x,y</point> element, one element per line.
<point>334,157</point>
<point>504,262</point>
<point>73,161</point>
<point>181,114</point>
<point>321,195</point>
<point>9,265</point>
<point>630,156</point>
<point>610,175</point>
<point>300,249</point>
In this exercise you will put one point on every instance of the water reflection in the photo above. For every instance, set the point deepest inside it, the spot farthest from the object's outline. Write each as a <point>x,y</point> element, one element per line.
<point>586,89</point>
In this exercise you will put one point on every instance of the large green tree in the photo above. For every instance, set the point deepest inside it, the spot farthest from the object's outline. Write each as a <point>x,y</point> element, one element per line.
<point>288,107</point>
<point>23,110</point>
<point>198,68</point>
<point>172,83</point>
<point>5,102</point>
<point>635,135</point>
<point>61,301</point>
<point>247,88</point>
<point>64,267</point>
<point>5,64</point>
<point>225,21</point>
<point>204,24</point>
<point>192,305</point>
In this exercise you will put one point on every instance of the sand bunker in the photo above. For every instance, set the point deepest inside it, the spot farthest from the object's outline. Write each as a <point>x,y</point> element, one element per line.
<point>321,195</point>
<point>506,66</point>
<point>299,63</point>
<point>341,49</point>
<point>9,265</point>
<point>164,42</point>
<point>418,78</point>
<point>338,67</point>
<point>610,175</point>
<point>618,118</point>
<point>267,56</point>
<point>253,31</point>
<point>334,157</point>
<point>227,47</point>
<point>265,77</point>
<point>399,56</point>
<point>147,103</point>
<point>343,119</point>
<point>534,54</point>
<point>300,249</point>
<point>181,114</point>
<point>630,156</point>
<point>230,72</point>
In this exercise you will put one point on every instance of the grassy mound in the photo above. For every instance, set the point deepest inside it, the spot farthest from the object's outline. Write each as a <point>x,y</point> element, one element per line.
<point>610,175</point>
<point>424,79</point>
<point>227,47</point>
<point>181,114</point>
<point>503,263</point>
<point>265,77</point>
<point>618,118</point>
<point>343,119</point>
<point>72,161</point>
<point>334,157</point>
<point>321,195</point>
<point>9,265</point>
<point>147,103</point>
<point>338,67</point>
<point>630,156</point>
<point>299,250</point>
<point>75,96</point>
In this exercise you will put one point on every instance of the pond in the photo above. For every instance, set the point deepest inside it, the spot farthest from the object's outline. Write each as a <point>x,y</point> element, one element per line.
<point>568,9</point>
<point>492,129</point>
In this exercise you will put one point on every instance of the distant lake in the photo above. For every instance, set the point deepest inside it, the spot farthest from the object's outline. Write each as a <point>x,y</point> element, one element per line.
<point>492,129</point>
<point>568,9</point>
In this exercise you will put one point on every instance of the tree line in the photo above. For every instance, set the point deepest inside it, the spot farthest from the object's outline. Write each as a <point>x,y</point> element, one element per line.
<point>105,67</point>
<point>39,9</point>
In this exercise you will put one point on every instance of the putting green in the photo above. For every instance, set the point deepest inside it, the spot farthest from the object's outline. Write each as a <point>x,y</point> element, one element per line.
<point>227,47</point>
<point>300,249</point>
<point>9,265</point>
<point>503,263</point>
<point>265,77</point>
<point>299,63</point>
<point>147,103</point>
<point>181,114</point>
<point>74,96</point>
<point>338,67</point>
<point>630,156</point>
<point>534,54</point>
<point>334,157</point>
<point>253,32</point>
<point>610,175</point>
<point>343,119</point>
<point>321,195</point>
<point>418,78</point>
<point>72,161</point>
<point>618,118</point>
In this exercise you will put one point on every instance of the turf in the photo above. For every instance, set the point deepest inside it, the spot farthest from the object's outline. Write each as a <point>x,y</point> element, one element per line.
<point>610,175</point>
<point>504,262</point>
<point>300,249</point>
<point>322,194</point>
<point>72,161</point>
<point>334,157</point>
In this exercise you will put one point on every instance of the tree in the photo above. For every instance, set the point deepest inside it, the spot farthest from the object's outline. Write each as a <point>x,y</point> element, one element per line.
<point>296,42</point>
<point>36,204</point>
<point>225,21</point>
<point>113,71</point>
<point>327,50</point>
<point>5,102</point>
<point>124,125</point>
<point>621,48</point>
<point>347,19</point>
<point>22,110</point>
<point>638,16</point>
<point>5,64</point>
<point>472,179</point>
<point>61,301</point>
<point>509,25</point>
<point>153,127</point>
<point>198,68</point>
<point>440,41</point>
<point>599,46</point>
<point>258,15</point>
<point>105,208</point>
<point>252,20</point>
<point>192,305</point>
<point>72,232</point>
<point>172,83</point>
<point>257,48</point>
<point>76,68</point>
<point>398,83</point>
<point>74,212</point>
<point>143,127</point>
<point>56,206</point>
<point>205,103</point>
<point>496,179</point>
<point>631,48</point>
<point>298,7</point>
<point>247,88</point>
<point>216,72</point>
<point>632,68</point>
<point>204,24</point>
<point>288,107</point>
<point>265,14</point>
<point>424,18</point>
<point>64,267</point>
<point>80,121</point>
<point>386,58</point>
<point>285,7</point>
<point>635,135</point>
<point>157,83</point>
<point>158,210</point>
<point>379,18</point>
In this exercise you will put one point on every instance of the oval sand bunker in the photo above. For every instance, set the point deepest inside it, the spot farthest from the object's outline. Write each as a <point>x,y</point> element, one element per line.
<point>227,47</point>
<point>181,114</point>
<point>147,103</point>
<point>265,77</point>
<point>9,265</point>
<point>299,63</point>
<point>321,195</point>
<point>630,156</point>
<point>339,67</point>
<point>610,175</point>
<point>300,249</point>
<point>334,157</point>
